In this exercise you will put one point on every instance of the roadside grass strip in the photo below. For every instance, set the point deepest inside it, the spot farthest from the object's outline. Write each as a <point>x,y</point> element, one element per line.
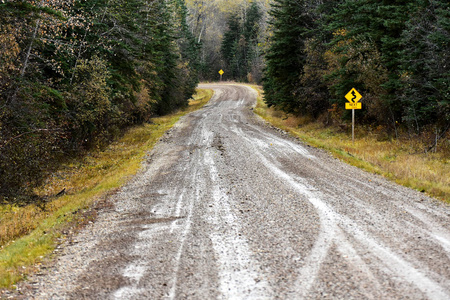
<point>30,234</point>
<point>401,160</point>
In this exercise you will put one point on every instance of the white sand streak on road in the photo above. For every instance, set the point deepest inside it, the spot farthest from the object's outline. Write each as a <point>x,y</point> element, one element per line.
<point>184,235</point>
<point>136,270</point>
<point>327,236</point>
<point>239,273</point>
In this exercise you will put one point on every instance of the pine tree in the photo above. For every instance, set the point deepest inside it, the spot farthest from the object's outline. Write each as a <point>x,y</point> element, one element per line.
<point>251,30</point>
<point>189,49</point>
<point>230,47</point>
<point>286,56</point>
<point>425,56</point>
<point>379,25</point>
<point>240,41</point>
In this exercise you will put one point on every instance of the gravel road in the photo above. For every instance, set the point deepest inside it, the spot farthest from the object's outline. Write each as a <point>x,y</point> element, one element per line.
<point>226,207</point>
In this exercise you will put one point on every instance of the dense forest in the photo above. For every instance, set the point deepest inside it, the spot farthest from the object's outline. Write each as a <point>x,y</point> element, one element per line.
<point>309,53</point>
<point>232,35</point>
<point>396,53</point>
<point>239,47</point>
<point>74,74</point>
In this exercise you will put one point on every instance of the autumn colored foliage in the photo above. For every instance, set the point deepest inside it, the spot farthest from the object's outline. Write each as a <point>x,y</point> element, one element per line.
<point>75,73</point>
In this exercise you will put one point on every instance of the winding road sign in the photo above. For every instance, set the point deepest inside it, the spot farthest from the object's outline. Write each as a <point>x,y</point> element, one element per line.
<point>353,96</point>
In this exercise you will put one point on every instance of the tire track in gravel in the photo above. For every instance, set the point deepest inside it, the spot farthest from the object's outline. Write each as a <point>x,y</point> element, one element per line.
<point>226,207</point>
<point>238,272</point>
<point>330,233</point>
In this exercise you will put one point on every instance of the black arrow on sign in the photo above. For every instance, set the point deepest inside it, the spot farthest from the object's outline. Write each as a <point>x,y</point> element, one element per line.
<point>354,96</point>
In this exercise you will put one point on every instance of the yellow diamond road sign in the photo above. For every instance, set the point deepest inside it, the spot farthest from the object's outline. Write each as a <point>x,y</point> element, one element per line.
<point>221,72</point>
<point>353,96</point>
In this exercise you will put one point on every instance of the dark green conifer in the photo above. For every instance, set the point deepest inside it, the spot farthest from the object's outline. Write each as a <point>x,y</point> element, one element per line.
<point>286,56</point>
<point>425,43</point>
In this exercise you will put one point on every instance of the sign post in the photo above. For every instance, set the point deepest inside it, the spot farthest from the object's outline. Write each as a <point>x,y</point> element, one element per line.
<point>221,73</point>
<point>353,97</point>
<point>353,126</point>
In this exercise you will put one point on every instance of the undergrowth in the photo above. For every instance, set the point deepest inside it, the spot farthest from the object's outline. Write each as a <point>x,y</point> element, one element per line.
<point>30,233</point>
<point>403,160</point>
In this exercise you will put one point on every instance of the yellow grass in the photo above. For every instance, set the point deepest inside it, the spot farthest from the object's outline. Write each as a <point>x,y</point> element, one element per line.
<point>403,161</point>
<point>28,234</point>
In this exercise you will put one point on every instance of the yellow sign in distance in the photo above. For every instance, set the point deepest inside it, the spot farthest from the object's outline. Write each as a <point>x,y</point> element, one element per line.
<point>353,96</point>
<point>351,105</point>
<point>221,72</point>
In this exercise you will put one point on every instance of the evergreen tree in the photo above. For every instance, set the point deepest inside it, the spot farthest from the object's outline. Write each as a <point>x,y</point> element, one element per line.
<point>286,56</point>
<point>371,28</point>
<point>240,41</point>
<point>311,92</point>
<point>189,49</point>
<point>425,56</point>
<point>231,50</point>
<point>251,30</point>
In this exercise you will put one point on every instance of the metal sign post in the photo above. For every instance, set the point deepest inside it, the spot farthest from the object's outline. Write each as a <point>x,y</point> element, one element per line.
<point>353,97</point>
<point>353,126</point>
<point>221,73</point>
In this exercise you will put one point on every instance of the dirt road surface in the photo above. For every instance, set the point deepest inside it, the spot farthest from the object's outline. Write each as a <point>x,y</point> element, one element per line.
<point>227,207</point>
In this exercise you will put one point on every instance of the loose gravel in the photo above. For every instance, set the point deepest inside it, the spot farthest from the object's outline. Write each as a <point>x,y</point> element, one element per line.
<point>226,207</point>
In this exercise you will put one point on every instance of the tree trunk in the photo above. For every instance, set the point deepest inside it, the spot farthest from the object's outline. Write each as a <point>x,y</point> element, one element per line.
<point>27,57</point>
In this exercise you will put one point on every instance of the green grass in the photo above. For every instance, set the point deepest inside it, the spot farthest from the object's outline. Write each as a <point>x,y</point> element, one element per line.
<point>29,234</point>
